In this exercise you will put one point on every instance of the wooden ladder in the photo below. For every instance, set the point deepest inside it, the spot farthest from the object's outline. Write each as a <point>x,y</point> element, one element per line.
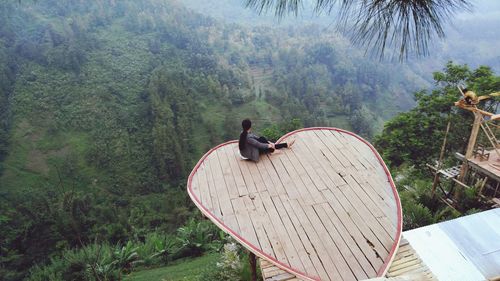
<point>490,135</point>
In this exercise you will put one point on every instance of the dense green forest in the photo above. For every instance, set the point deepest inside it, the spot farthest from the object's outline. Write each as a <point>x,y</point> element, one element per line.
<point>413,139</point>
<point>106,106</point>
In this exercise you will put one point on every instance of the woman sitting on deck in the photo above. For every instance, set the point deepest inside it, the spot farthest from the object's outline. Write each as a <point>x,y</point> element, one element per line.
<point>251,146</point>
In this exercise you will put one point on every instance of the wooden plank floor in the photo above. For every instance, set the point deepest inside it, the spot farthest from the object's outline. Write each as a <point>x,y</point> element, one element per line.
<point>491,166</point>
<point>272,273</point>
<point>324,210</point>
<point>407,265</point>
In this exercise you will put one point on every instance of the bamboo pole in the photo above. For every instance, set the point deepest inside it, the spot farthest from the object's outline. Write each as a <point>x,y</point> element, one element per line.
<point>472,143</point>
<point>478,117</point>
<point>436,176</point>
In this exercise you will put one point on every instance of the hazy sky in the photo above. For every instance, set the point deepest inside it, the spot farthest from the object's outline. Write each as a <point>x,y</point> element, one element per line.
<point>484,8</point>
<point>222,9</point>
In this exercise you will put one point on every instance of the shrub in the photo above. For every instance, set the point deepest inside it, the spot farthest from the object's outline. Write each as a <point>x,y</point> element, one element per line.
<point>446,213</point>
<point>196,238</point>
<point>157,248</point>
<point>470,199</point>
<point>229,266</point>
<point>93,262</point>
<point>272,133</point>
<point>52,272</point>
<point>124,257</point>
<point>415,215</point>
<point>106,262</point>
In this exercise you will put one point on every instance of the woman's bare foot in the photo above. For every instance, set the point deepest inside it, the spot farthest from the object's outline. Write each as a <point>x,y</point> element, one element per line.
<point>291,143</point>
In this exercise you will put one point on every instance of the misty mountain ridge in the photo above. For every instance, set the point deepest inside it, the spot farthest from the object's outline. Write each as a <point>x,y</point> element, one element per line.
<point>471,36</point>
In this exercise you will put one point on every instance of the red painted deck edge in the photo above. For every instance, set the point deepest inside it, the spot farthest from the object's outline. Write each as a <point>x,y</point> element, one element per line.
<point>228,230</point>
<point>383,270</point>
<point>259,252</point>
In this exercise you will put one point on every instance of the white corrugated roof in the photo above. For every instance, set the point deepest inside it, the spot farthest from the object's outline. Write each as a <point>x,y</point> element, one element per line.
<point>467,248</point>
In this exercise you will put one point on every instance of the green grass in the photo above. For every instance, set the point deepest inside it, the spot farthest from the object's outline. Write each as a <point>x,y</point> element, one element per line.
<point>185,270</point>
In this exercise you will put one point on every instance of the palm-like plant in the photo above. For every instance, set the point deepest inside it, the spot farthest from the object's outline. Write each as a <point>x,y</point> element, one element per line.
<point>192,237</point>
<point>126,256</point>
<point>157,248</point>
<point>407,25</point>
<point>196,237</point>
<point>102,270</point>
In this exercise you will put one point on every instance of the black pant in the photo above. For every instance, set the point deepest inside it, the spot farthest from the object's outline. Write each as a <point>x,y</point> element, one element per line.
<point>270,150</point>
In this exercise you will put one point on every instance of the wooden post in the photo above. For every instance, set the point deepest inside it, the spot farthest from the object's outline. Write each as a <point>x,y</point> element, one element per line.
<point>483,183</point>
<point>253,265</point>
<point>472,143</point>
<point>478,117</point>
<point>436,176</point>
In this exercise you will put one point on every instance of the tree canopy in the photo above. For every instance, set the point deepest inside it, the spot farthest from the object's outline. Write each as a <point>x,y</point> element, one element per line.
<point>415,137</point>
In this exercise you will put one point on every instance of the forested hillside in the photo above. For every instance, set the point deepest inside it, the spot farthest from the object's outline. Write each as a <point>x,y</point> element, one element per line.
<point>106,105</point>
<point>415,138</point>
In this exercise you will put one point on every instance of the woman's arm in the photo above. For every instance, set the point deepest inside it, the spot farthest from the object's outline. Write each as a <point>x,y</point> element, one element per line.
<point>253,142</point>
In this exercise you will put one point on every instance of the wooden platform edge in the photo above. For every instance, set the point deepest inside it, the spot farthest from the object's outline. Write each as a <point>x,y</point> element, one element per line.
<point>229,231</point>
<point>385,267</point>
<point>382,271</point>
<point>271,273</point>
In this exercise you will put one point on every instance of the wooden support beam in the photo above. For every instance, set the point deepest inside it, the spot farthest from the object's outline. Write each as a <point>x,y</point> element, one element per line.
<point>436,176</point>
<point>472,142</point>
<point>434,171</point>
<point>496,202</point>
<point>453,179</point>
<point>449,205</point>
<point>460,183</point>
<point>483,183</point>
<point>253,265</point>
<point>491,137</point>
<point>474,109</point>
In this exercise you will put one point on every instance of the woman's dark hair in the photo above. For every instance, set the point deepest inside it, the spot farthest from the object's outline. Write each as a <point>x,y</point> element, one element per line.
<point>246,125</point>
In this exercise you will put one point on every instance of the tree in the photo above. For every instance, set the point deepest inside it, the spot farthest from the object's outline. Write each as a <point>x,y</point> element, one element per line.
<point>415,137</point>
<point>167,154</point>
<point>360,122</point>
<point>6,83</point>
<point>405,25</point>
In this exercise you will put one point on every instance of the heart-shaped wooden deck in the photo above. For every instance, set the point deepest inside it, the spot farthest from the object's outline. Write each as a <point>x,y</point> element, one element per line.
<point>326,209</point>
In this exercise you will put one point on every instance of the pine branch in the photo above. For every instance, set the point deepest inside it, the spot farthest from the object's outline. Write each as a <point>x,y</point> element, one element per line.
<point>404,25</point>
